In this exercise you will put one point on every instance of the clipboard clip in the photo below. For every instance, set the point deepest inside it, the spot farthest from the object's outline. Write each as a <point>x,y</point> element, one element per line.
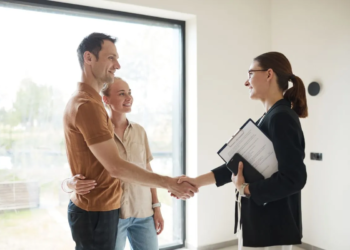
<point>235,134</point>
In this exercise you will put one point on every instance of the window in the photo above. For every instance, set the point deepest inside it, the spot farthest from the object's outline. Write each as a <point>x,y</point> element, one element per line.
<point>39,72</point>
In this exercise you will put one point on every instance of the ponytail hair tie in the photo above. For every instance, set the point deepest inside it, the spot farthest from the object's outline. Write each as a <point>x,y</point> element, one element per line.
<point>292,77</point>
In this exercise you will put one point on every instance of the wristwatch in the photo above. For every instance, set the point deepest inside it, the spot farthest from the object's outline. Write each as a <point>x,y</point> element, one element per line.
<point>156,205</point>
<point>241,190</point>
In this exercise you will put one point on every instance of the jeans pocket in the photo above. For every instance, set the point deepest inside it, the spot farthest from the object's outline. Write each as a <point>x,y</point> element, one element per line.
<point>76,215</point>
<point>75,218</point>
<point>95,220</point>
<point>73,209</point>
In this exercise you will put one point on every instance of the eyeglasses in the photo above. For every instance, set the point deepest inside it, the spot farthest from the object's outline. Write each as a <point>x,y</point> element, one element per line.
<point>253,70</point>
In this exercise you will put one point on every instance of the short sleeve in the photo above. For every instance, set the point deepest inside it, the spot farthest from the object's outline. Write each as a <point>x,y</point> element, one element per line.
<point>93,122</point>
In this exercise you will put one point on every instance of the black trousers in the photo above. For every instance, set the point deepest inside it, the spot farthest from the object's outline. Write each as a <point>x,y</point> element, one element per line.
<point>93,230</point>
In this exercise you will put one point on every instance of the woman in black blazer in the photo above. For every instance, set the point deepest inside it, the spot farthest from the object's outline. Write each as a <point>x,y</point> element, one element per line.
<point>271,208</point>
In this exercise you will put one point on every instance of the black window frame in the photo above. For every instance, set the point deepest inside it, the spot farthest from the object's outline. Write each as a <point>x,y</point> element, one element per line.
<point>137,18</point>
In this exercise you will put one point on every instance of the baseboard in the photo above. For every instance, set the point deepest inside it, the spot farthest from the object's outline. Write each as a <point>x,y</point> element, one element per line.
<point>309,247</point>
<point>235,243</point>
<point>214,246</point>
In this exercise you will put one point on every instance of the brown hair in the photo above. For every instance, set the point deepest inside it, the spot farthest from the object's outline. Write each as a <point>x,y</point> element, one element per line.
<point>92,43</point>
<point>283,70</point>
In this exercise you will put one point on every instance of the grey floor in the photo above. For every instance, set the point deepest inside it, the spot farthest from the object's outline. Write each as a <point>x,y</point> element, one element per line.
<point>236,248</point>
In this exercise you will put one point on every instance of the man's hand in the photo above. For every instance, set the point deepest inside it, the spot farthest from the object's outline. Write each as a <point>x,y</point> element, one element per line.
<point>183,191</point>
<point>192,181</point>
<point>238,179</point>
<point>158,220</point>
<point>80,185</point>
<point>182,179</point>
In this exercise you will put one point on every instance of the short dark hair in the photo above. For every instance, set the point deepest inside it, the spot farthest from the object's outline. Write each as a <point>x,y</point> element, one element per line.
<point>92,43</point>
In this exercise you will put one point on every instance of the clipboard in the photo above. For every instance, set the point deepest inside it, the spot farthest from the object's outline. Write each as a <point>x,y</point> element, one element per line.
<point>230,140</point>
<point>249,172</point>
<point>250,143</point>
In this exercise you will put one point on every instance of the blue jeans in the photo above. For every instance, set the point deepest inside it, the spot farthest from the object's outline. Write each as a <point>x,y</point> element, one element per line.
<point>141,233</point>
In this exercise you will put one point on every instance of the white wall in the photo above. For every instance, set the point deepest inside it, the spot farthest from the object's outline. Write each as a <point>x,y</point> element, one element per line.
<point>315,36</point>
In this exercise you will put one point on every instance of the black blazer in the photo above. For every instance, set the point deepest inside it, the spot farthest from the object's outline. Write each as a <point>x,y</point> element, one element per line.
<point>272,215</point>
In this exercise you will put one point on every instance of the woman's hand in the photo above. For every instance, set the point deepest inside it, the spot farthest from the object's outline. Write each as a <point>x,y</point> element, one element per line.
<point>80,185</point>
<point>158,220</point>
<point>192,181</point>
<point>238,179</point>
<point>184,178</point>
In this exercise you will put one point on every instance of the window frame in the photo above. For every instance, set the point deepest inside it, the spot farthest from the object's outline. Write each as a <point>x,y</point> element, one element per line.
<point>138,18</point>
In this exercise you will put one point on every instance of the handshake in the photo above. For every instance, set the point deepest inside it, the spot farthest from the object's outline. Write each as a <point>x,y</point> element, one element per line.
<point>183,187</point>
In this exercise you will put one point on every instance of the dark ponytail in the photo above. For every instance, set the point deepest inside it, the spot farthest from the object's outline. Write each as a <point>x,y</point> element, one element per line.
<point>283,70</point>
<point>297,96</point>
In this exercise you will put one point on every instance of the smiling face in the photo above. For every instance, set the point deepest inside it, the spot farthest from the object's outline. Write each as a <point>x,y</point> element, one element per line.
<point>106,64</point>
<point>119,97</point>
<point>258,81</point>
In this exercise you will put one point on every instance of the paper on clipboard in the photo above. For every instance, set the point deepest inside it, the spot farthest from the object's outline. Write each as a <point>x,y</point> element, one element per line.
<point>254,146</point>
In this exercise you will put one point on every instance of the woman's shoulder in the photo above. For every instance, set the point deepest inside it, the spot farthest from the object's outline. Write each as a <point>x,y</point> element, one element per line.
<point>284,114</point>
<point>137,126</point>
<point>283,120</point>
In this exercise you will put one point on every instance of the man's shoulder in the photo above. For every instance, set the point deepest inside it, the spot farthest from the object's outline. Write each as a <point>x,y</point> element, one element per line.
<point>73,104</point>
<point>80,102</point>
<point>80,98</point>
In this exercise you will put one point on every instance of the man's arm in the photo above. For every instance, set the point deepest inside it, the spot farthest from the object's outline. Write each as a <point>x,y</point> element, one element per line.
<point>107,153</point>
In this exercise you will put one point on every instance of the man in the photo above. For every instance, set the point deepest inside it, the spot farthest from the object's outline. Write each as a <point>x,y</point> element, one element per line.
<point>92,152</point>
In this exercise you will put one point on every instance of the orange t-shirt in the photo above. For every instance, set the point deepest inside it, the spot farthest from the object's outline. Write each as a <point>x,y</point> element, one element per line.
<point>86,122</point>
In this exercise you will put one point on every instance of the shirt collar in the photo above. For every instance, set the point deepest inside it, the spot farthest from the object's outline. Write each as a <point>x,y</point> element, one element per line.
<point>90,91</point>
<point>282,102</point>
<point>130,124</point>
